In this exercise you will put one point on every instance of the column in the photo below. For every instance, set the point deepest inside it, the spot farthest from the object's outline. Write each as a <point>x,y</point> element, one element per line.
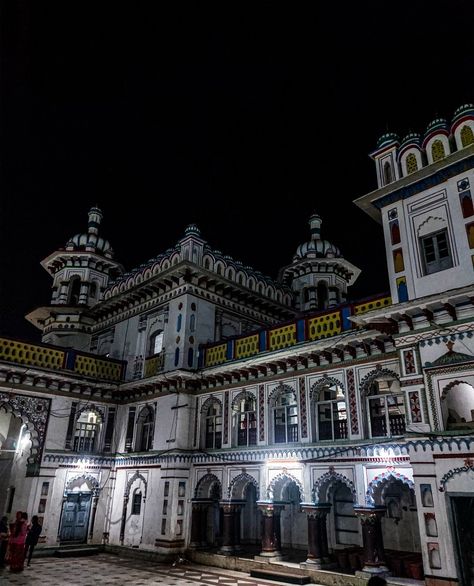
<point>271,533</point>
<point>95,500</point>
<point>374,554</point>
<point>229,513</point>
<point>199,523</point>
<point>318,551</point>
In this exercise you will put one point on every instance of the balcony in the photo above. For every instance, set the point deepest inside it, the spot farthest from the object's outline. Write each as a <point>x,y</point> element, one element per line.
<point>154,365</point>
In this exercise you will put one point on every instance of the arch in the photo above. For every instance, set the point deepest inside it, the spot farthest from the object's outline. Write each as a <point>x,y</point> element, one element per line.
<point>238,485</point>
<point>325,482</point>
<point>99,411</point>
<point>131,480</point>
<point>466,135</point>
<point>387,173</point>
<point>468,466</point>
<point>278,390</point>
<point>74,290</point>
<point>90,480</point>
<point>452,384</point>
<point>280,482</point>
<point>33,412</point>
<point>411,163</point>
<point>437,150</point>
<point>369,378</point>
<point>206,485</point>
<point>385,477</point>
<point>210,401</point>
<point>325,381</point>
<point>240,396</point>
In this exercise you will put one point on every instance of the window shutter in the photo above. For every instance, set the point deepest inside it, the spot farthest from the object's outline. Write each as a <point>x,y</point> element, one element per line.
<point>130,428</point>
<point>109,430</point>
<point>70,427</point>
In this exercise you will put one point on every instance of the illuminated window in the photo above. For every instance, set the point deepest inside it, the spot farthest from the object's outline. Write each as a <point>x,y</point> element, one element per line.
<point>386,406</point>
<point>145,429</point>
<point>156,343</point>
<point>213,426</point>
<point>331,414</point>
<point>411,163</point>
<point>437,151</point>
<point>467,136</point>
<point>285,418</point>
<point>245,421</point>
<point>87,431</point>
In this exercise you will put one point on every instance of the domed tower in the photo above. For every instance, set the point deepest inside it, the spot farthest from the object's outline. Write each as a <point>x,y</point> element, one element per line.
<point>318,275</point>
<point>80,271</point>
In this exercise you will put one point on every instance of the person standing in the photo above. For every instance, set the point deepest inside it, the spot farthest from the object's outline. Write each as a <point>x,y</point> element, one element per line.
<point>32,537</point>
<point>16,543</point>
<point>3,540</point>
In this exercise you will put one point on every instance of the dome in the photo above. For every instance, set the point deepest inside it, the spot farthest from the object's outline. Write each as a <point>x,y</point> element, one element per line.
<point>92,240</point>
<point>465,109</point>
<point>192,229</point>
<point>387,138</point>
<point>316,247</point>
<point>436,124</point>
<point>413,138</point>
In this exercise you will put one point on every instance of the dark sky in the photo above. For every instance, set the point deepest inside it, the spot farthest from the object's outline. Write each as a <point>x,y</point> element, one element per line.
<point>242,117</point>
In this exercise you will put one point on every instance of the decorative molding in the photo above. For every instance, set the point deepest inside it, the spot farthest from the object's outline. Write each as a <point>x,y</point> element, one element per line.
<point>384,477</point>
<point>210,401</point>
<point>468,466</point>
<point>244,477</point>
<point>289,478</point>
<point>206,482</point>
<point>324,381</point>
<point>132,479</point>
<point>240,396</point>
<point>278,390</point>
<point>328,479</point>
<point>374,375</point>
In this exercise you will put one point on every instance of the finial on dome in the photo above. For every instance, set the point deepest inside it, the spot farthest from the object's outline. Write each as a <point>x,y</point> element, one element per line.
<point>95,218</point>
<point>315,226</point>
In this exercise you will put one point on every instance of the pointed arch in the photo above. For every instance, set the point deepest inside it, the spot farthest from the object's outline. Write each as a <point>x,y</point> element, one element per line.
<point>210,401</point>
<point>205,486</point>
<point>131,480</point>
<point>240,396</point>
<point>280,482</point>
<point>321,383</point>
<point>91,407</point>
<point>324,483</point>
<point>238,485</point>
<point>450,385</point>
<point>278,390</point>
<point>369,378</point>
<point>91,481</point>
<point>385,477</point>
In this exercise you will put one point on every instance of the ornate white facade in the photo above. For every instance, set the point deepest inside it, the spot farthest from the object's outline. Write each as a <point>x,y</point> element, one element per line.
<point>194,403</point>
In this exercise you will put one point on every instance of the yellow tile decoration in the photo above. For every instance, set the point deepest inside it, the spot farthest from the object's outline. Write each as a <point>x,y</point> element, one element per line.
<point>216,355</point>
<point>154,365</point>
<point>370,305</point>
<point>97,368</point>
<point>247,346</point>
<point>324,326</point>
<point>31,354</point>
<point>282,337</point>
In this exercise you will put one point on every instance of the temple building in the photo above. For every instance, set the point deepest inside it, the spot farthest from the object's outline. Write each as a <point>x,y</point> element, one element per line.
<point>194,404</point>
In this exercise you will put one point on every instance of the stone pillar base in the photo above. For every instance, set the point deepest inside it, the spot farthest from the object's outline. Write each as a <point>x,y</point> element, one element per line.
<point>269,557</point>
<point>368,571</point>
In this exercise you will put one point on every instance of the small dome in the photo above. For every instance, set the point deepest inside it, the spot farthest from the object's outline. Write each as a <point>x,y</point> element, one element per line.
<point>463,110</point>
<point>437,124</point>
<point>387,139</point>
<point>316,247</point>
<point>192,229</point>
<point>83,240</point>
<point>411,138</point>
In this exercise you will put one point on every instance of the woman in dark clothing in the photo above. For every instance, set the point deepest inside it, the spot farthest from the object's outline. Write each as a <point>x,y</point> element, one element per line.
<point>32,537</point>
<point>3,540</point>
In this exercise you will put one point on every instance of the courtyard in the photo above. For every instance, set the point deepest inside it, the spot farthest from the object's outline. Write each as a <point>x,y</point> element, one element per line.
<point>108,569</point>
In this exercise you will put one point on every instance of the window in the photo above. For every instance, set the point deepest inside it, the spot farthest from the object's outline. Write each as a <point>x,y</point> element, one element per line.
<point>192,323</point>
<point>467,136</point>
<point>181,488</point>
<point>436,252</point>
<point>386,408</point>
<point>74,291</point>
<point>87,431</point>
<point>93,290</point>
<point>179,321</point>
<point>145,424</point>
<point>156,343</point>
<point>136,502</point>
<point>213,426</point>
<point>437,151</point>
<point>411,163</point>
<point>331,414</point>
<point>166,490</point>
<point>387,173</point>
<point>245,421</point>
<point>285,418</point>
<point>163,526</point>
<point>45,489</point>
<point>322,293</point>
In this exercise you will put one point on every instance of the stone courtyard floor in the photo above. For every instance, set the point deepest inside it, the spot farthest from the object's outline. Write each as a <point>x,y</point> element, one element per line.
<point>108,569</point>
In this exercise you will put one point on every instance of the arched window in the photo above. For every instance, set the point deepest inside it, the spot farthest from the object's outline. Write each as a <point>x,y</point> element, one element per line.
<point>387,173</point>
<point>156,343</point>
<point>190,357</point>
<point>322,293</point>
<point>467,136</point>
<point>457,405</point>
<point>331,413</point>
<point>136,502</point>
<point>213,426</point>
<point>145,429</point>
<point>93,290</point>
<point>192,323</point>
<point>437,151</point>
<point>386,407</point>
<point>411,163</point>
<point>285,418</point>
<point>87,432</point>
<point>74,290</point>
<point>245,421</point>
<point>179,321</point>
<point>176,357</point>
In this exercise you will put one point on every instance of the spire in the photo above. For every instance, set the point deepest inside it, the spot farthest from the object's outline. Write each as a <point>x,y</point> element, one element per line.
<point>95,218</point>
<point>315,226</point>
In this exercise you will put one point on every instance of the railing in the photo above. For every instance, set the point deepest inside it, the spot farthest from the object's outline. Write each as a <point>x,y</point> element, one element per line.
<point>326,430</point>
<point>154,365</point>
<point>61,359</point>
<point>315,327</point>
<point>247,437</point>
<point>286,433</point>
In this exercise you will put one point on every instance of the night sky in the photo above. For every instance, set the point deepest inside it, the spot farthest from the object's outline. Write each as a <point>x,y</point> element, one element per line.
<point>242,117</point>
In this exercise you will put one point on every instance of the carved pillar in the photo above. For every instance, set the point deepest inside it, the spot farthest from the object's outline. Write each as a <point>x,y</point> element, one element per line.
<point>271,532</point>
<point>318,552</point>
<point>124,519</point>
<point>228,528</point>
<point>374,554</point>
<point>199,522</point>
<point>95,500</point>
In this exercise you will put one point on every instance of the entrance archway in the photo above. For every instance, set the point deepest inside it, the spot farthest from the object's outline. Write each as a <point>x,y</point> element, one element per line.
<point>207,495</point>
<point>80,498</point>
<point>244,489</point>
<point>287,490</point>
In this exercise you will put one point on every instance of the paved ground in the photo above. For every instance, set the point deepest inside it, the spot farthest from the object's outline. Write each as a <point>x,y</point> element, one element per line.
<point>107,569</point>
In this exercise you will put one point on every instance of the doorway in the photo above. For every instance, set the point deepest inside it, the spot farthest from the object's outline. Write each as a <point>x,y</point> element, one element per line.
<point>75,517</point>
<point>463,513</point>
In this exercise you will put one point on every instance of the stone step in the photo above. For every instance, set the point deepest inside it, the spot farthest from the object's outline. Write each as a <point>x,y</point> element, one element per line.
<point>278,576</point>
<point>76,552</point>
